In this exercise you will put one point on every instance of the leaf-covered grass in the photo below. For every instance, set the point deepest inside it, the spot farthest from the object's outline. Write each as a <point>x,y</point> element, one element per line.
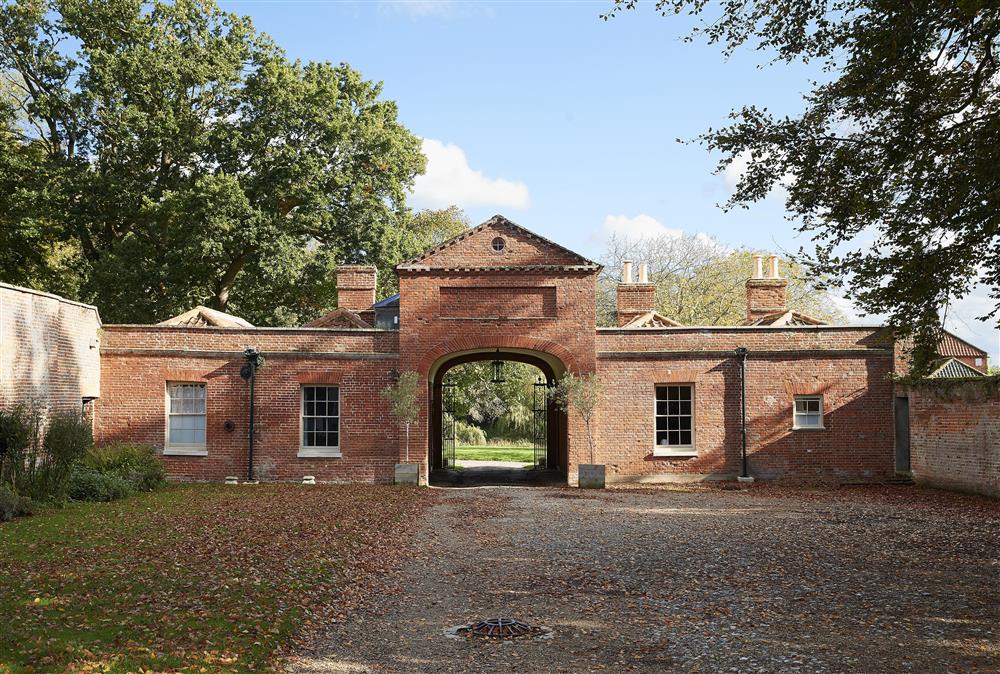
<point>493,453</point>
<point>191,578</point>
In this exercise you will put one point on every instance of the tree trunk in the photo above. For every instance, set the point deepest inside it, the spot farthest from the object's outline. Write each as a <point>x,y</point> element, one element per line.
<point>221,298</point>
<point>407,442</point>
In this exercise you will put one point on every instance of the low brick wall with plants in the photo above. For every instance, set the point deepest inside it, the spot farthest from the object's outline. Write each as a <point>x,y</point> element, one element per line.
<point>955,433</point>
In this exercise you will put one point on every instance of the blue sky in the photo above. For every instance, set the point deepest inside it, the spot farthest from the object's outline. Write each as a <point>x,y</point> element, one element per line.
<point>564,123</point>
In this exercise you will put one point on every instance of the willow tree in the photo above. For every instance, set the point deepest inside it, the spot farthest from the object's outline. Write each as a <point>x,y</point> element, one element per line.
<point>891,166</point>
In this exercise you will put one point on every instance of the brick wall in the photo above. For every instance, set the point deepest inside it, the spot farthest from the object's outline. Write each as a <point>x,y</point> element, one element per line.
<point>566,338</point>
<point>634,299</point>
<point>849,367</point>
<point>138,361</point>
<point>356,286</point>
<point>766,296</point>
<point>955,434</point>
<point>49,350</point>
<point>492,301</point>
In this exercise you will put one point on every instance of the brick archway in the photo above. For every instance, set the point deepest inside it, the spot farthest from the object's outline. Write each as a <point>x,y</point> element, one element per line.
<point>546,349</point>
<point>556,440</point>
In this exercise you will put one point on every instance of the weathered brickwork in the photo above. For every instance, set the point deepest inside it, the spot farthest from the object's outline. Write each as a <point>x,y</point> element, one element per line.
<point>502,292</point>
<point>138,362</point>
<point>498,302</point>
<point>955,435</point>
<point>856,442</point>
<point>49,351</point>
<point>355,287</point>
<point>766,296</point>
<point>634,299</point>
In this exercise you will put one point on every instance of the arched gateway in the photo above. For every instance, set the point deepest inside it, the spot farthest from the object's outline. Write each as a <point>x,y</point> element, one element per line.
<point>497,289</point>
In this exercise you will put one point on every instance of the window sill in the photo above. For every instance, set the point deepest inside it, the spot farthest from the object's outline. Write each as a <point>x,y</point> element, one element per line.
<point>185,451</point>
<point>674,453</point>
<point>808,428</point>
<point>313,453</point>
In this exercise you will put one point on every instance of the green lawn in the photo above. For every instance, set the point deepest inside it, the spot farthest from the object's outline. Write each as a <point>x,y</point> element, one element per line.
<point>487,453</point>
<point>191,578</point>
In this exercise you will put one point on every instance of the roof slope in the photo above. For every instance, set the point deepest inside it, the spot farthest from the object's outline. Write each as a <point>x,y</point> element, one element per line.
<point>518,248</point>
<point>652,319</point>
<point>203,317</point>
<point>954,368</point>
<point>789,318</point>
<point>338,318</point>
<point>951,346</point>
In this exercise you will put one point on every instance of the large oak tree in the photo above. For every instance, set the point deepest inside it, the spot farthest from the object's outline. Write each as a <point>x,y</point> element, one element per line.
<point>892,166</point>
<point>157,155</point>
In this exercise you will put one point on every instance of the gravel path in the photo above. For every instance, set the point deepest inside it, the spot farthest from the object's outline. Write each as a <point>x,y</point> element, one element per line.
<point>896,579</point>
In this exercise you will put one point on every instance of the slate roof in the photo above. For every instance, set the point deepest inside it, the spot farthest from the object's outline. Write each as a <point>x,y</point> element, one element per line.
<point>498,221</point>
<point>950,346</point>
<point>954,368</point>
<point>203,317</point>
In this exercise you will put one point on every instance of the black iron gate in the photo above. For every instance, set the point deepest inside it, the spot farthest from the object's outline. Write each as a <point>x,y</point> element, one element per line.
<point>540,422</point>
<point>448,425</point>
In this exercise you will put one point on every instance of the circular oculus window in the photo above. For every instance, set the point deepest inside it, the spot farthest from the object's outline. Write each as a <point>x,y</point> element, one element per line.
<point>499,244</point>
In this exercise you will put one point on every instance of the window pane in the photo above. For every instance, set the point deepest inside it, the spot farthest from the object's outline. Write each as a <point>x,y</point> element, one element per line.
<point>675,407</point>
<point>661,437</point>
<point>333,393</point>
<point>685,437</point>
<point>674,423</point>
<point>661,423</point>
<point>661,392</point>
<point>661,407</point>
<point>675,437</point>
<point>320,393</point>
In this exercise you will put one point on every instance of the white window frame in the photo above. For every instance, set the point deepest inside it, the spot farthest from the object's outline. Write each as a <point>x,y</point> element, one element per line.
<point>306,452</point>
<point>183,449</point>
<point>796,426</point>
<point>979,362</point>
<point>676,450</point>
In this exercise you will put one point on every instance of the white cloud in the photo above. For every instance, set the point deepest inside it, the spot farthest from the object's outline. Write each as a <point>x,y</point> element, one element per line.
<point>641,226</point>
<point>735,169</point>
<point>450,180</point>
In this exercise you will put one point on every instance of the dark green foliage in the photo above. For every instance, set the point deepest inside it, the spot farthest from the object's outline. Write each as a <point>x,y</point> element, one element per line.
<point>12,505</point>
<point>88,484</point>
<point>36,465</point>
<point>18,439</point>
<point>158,155</point>
<point>67,439</point>
<point>892,165</point>
<point>136,464</point>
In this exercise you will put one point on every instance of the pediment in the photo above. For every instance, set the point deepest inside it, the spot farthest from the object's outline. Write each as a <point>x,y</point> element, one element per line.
<point>498,243</point>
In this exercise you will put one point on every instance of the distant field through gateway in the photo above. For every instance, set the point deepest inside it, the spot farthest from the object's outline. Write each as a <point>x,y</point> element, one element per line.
<point>495,453</point>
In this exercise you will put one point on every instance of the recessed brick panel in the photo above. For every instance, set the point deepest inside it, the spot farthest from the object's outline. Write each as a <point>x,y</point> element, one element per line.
<point>493,302</point>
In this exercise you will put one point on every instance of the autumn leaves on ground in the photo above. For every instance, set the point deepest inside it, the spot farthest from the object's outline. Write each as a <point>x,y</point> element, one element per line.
<point>193,578</point>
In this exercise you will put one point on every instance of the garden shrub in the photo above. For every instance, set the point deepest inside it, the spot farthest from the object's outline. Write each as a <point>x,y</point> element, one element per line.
<point>12,505</point>
<point>135,463</point>
<point>87,484</point>
<point>18,444</point>
<point>67,440</point>
<point>467,434</point>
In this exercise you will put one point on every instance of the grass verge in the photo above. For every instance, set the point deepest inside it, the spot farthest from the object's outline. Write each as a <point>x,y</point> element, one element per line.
<point>192,578</point>
<point>492,453</point>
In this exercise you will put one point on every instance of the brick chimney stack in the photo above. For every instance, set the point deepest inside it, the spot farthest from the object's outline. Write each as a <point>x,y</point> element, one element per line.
<point>766,294</point>
<point>634,299</point>
<point>355,287</point>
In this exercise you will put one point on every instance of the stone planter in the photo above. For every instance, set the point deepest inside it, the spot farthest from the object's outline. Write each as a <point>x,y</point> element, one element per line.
<point>407,473</point>
<point>591,476</point>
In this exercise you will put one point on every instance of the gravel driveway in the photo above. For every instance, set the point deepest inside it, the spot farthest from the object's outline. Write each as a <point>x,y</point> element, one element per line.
<point>878,579</point>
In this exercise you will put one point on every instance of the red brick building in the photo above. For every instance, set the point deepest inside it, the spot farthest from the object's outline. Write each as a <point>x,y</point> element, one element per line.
<point>819,400</point>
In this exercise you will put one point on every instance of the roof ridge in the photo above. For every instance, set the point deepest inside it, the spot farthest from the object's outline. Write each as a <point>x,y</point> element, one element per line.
<point>496,220</point>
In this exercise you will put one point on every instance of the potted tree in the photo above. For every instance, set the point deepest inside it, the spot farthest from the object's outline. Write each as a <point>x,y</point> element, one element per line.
<point>403,405</point>
<point>581,393</point>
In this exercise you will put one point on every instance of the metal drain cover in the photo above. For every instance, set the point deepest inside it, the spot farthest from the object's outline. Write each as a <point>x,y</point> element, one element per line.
<point>499,629</point>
